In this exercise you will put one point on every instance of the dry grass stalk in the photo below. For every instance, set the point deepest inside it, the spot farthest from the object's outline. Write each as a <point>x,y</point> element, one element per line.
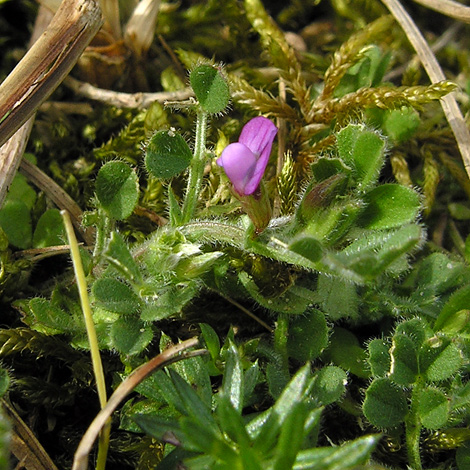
<point>431,65</point>
<point>41,70</point>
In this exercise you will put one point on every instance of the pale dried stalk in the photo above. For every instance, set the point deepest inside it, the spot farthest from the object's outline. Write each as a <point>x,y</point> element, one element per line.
<point>124,100</point>
<point>39,73</point>
<point>12,150</point>
<point>431,65</point>
<point>449,8</point>
<point>111,14</point>
<point>24,445</point>
<point>58,196</point>
<point>140,29</point>
<point>47,63</point>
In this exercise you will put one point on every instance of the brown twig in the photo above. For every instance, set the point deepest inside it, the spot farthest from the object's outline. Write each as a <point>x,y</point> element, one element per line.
<point>13,149</point>
<point>47,63</point>
<point>58,196</point>
<point>36,254</point>
<point>449,8</point>
<point>124,100</point>
<point>24,445</point>
<point>39,73</point>
<point>167,357</point>
<point>247,312</point>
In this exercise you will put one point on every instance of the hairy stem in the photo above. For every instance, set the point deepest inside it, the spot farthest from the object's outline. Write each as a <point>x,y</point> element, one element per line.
<point>413,430</point>
<point>196,170</point>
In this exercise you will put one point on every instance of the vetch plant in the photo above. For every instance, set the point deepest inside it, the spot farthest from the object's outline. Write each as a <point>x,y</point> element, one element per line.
<point>245,162</point>
<point>174,255</point>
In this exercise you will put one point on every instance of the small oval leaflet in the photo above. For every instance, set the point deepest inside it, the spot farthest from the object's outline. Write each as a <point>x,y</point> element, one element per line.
<point>117,189</point>
<point>210,88</point>
<point>381,395</point>
<point>167,154</point>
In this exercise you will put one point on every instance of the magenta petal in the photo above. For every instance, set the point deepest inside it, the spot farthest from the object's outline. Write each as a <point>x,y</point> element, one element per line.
<point>239,163</point>
<point>257,175</point>
<point>258,135</point>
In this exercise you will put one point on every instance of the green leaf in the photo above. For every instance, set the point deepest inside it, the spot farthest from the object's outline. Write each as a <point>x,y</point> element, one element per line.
<point>233,383</point>
<point>328,166</point>
<point>458,301</point>
<point>133,408</point>
<point>210,87</point>
<point>350,455</point>
<point>362,149</point>
<point>117,189</point>
<point>231,421</point>
<point>211,339</point>
<point>159,385</point>
<point>439,358</point>
<point>158,426</point>
<point>329,385</point>
<point>114,295</point>
<point>195,266</point>
<point>294,300</point>
<point>20,190</point>
<point>457,323</point>
<point>344,351</point>
<point>368,71</point>
<point>167,154</point>
<point>195,373</point>
<point>337,297</point>
<point>467,249</point>
<point>196,410</point>
<point>404,360</point>
<point>168,301</point>
<point>130,336</point>
<point>379,358</point>
<point>463,457</point>
<point>117,253</point>
<point>176,215</point>
<point>432,408</point>
<point>459,210</point>
<point>385,404</point>
<point>399,124</point>
<point>291,437</point>
<point>389,206</point>
<point>438,273</point>
<point>416,329</point>
<point>376,252</point>
<point>321,193</point>
<point>397,245</point>
<point>49,230</point>
<point>308,336</point>
<point>265,435</point>
<point>232,425</point>
<point>48,318</point>
<point>3,240</point>
<point>251,379</point>
<point>332,223</point>
<point>209,441</point>
<point>15,220</point>
<point>308,247</point>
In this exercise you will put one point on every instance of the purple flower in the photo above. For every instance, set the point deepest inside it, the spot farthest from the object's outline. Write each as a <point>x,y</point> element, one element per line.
<point>245,161</point>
